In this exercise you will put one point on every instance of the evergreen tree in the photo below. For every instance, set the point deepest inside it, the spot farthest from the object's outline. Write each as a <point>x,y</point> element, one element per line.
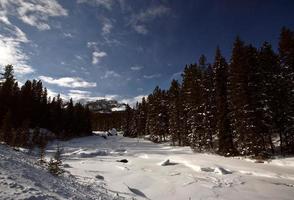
<point>191,101</point>
<point>243,88</point>
<point>157,118</point>
<point>7,93</point>
<point>285,103</point>
<point>223,130</point>
<point>175,113</point>
<point>206,111</point>
<point>142,117</point>
<point>6,128</point>
<point>128,121</point>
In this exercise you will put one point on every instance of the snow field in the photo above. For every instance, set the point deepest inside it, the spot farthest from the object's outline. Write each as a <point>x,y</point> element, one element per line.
<point>159,171</point>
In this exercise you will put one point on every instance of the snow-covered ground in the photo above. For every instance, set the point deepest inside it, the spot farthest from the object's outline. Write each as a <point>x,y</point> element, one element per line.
<point>22,178</point>
<point>153,171</point>
<point>159,171</point>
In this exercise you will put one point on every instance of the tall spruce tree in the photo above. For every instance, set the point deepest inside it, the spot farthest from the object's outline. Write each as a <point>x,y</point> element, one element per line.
<point>266,87</point>
<point>128,121</point>
<point>284,118</point>
<point>207,109</point>
<point>142,117</point>
<point>191,101</point>
<point>224,139</point>
<point>175,113</point>
<point>242,82</point>
<point>157,117</point>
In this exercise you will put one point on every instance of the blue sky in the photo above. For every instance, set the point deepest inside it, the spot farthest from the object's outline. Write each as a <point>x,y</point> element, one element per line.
<point>122,49</point>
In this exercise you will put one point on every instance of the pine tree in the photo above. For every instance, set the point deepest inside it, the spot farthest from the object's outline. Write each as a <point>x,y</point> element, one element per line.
<point>284,114</point>
<point>191,101</point>
<point>175,113</point>
<point>242,80</point>
<point>128,121</point>
<point>207,108</point>
<point>223,130</point>
<point>134,132</point>
<point>7,93</point>
<point>266,87</point>
<point>193,92</point>
<point>142,117</point>
<point>157,118</point>
<point>6,128</point>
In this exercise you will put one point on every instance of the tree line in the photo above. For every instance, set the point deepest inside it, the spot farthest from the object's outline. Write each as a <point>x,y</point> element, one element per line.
<point>241,107</point>
<point>26,109</point>
<point>107,121</point>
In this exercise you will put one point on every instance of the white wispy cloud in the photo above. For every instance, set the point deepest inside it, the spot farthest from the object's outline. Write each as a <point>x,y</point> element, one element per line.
<point>77,95</point>
<point>71,82</point>
<point>32,12</point>
<point>152,76</point>
<point>51,93</point>
<point>103,3</point>
<point>110,74</point>
<point>10,47</point>
<point>136,68</point>
<point>139,21</point>
<point>97,56</point>
<point>107,26</point>
<point>91,44</point>
<point>78,57</point>
<point>12,53</point>
<point>80,92</point>
<point>68,35</point>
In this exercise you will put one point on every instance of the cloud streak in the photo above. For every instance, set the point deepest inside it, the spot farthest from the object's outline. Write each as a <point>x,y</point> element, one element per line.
<point>136,68</point>
<point>152,76</point>
<point>139,21</point>
<point>110,74</point>
<point>10,47</point>
<point>33,13</point>
<point>12,38</point>
<point>97,56</point>
<point>70,82</point>
<point>100,3</point>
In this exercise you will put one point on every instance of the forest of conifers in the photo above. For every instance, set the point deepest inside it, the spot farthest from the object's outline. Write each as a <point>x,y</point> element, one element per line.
<point>243,106</point>
<point>26,109</point>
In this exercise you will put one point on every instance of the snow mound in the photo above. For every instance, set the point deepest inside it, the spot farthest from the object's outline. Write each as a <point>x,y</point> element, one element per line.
<point>284,162</point>
<point>222,171</point>
<point>22,178</point>
<point>92,153</point>
<point>119,151</point>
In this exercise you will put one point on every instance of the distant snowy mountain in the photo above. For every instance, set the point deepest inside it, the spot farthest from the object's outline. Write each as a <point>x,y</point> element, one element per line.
<point>106,106</point>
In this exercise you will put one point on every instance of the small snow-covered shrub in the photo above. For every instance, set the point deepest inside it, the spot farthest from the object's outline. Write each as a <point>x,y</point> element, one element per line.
<point>55,164</point>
